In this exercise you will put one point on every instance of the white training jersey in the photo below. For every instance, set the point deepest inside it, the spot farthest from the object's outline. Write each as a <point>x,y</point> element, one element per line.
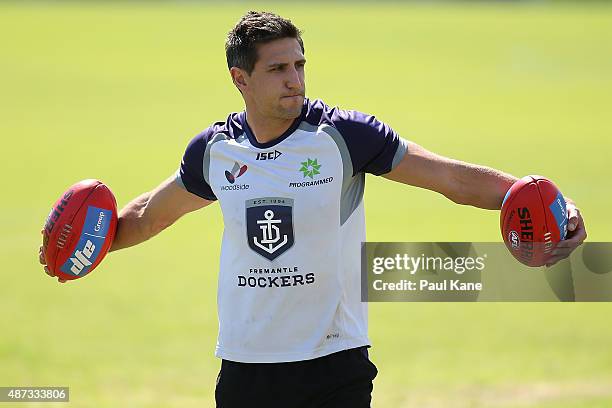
<point>289,278</point>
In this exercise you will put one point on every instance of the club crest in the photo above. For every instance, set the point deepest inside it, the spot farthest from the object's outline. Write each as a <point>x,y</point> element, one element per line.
<point>270,225</point>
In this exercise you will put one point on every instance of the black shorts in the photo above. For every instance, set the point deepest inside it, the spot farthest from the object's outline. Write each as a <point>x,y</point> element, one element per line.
<point>338,380</point>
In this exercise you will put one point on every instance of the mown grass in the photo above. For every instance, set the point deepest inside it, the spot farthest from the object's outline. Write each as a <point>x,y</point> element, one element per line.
<point>115,91</point>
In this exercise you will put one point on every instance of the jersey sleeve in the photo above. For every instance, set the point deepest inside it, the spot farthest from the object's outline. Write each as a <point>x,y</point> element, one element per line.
<point>373,145</point>
<point>190,174</point>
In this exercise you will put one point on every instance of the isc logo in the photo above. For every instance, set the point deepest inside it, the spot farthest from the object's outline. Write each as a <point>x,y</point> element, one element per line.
<point>82,258</point>
<point>268,155</point>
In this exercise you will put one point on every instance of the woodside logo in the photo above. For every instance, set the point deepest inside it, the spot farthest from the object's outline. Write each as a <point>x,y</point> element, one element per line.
<point>231,176</point>
<point>236,172</point>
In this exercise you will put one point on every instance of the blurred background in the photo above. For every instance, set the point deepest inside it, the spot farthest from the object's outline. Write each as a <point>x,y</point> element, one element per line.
<point>115,90</point>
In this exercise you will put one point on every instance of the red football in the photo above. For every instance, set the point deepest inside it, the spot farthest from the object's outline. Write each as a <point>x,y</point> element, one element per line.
<point>533,219</point>
<point>80,229</point>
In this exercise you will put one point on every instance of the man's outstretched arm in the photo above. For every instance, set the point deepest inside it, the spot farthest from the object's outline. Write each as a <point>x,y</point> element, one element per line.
<point>152,212</point>
<point>474,185</point>
<point>149,214</point>
<point>461,182</point>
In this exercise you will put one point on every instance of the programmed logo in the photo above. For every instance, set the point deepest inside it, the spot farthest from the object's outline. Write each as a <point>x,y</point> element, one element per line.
<point>310,168</point>
<point>93,236</point>
<point>270,225</point>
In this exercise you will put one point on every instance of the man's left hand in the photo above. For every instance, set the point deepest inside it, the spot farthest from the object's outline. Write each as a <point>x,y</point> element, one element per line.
<point>576,234</point>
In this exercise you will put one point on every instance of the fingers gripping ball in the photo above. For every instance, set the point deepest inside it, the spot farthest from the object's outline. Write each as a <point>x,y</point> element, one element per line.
<point>533,219</point>
<point>80,229</point>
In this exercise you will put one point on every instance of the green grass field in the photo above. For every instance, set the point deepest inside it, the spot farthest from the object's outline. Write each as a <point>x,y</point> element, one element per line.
<point>116,91</point>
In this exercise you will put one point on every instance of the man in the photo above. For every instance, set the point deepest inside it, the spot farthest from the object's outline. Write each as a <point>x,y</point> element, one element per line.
<point>289,175</point>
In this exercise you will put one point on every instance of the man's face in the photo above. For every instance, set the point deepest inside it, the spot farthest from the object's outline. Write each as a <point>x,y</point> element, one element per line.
<point>276,86</point>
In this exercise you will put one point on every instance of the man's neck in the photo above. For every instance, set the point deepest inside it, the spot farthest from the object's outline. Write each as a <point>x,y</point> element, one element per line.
<point>266,129</point>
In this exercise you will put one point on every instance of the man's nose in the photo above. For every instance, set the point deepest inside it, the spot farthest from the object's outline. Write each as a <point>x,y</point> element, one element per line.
<point>293,79</point>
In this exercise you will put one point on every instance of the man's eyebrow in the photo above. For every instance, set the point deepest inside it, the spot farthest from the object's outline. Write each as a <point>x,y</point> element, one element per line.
<point>283,64</point>
<point>277,64</point>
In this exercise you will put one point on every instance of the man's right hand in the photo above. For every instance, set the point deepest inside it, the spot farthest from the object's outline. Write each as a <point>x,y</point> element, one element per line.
<point>41,259</point>
<point>147,215</point>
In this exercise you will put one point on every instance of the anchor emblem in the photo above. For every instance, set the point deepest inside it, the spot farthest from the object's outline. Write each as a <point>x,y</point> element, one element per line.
<point>270,225</point>
<point>271,233</point>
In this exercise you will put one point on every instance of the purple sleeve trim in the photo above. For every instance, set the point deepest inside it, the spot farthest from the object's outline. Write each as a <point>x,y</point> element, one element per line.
<point>373,145</point>
<point>191,171</point>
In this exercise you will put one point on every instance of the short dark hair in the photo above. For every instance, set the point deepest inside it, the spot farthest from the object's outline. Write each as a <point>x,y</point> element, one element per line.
<point>254,28</point>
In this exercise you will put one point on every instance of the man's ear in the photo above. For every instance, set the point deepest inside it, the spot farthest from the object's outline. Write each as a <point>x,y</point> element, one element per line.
<point>238,77</point>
